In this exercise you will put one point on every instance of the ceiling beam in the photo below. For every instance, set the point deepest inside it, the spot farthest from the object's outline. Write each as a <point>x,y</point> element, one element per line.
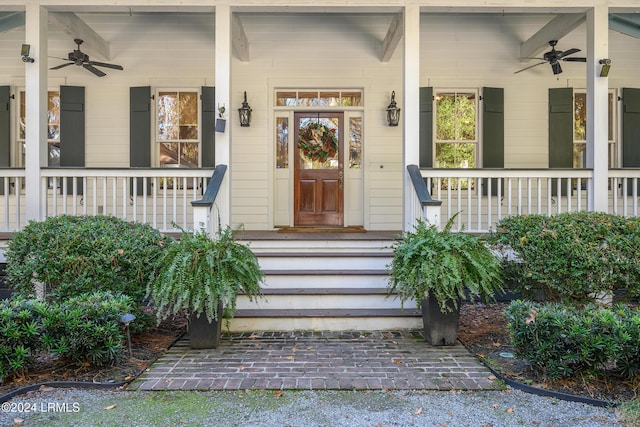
<point>11,20</point>
<point>628,24</point>
<point>76,28</point>
<point>557,28</point>
<point>392,39</point>
<point>239,40</point>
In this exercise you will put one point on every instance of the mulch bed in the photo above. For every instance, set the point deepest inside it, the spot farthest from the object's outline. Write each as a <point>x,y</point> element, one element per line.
<point>483,330</point>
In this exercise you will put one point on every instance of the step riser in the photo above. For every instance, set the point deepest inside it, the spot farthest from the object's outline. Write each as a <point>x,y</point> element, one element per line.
<point>325,281</point>
<point>325,323</point>
<point>320,263</point>
<point>305,302</point>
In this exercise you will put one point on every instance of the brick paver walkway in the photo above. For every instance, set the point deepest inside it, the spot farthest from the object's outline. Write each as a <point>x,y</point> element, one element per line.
<point>305,360</point>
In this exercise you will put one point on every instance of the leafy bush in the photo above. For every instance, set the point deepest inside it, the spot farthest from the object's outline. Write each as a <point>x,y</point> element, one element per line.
<point>21,328</point>
<point>572,257</point>
<point>197,272</point>
<point>448,266</point>
<point>73,255</point>
<point>87,329</point>
<point>561,341</point>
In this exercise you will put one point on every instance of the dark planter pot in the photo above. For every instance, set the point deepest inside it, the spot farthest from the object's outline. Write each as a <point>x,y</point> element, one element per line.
<point>439,328</point>
<point>204,334</point>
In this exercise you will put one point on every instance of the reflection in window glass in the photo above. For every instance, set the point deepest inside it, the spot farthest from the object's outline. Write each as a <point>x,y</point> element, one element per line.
<point>355,142</point>
<point>455,132</point>
<point>286,99</point>
<point>351,99</point>
<point>580,130</point>
<point>282,142</point>
<point>53,126</point>
<point>178,128</point>
<point>329,99</point>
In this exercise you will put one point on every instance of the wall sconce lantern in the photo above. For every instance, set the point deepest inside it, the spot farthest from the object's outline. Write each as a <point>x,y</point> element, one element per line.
<point>245,112</point>
<point>393,112</point>
<point>606,66</point>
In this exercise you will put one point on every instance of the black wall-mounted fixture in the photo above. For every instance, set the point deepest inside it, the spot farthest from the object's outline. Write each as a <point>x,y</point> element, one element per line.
<point>606,66</point>
<point>24,52</point>
<point>393,112</point>
<point>245,112</point>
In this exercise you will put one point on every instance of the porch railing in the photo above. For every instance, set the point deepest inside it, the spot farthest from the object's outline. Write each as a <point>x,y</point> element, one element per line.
<point>160,197</point>
<point>483,196</point>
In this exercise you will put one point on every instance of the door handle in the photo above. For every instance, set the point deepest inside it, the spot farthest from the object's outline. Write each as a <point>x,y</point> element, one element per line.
<point>341,179</point>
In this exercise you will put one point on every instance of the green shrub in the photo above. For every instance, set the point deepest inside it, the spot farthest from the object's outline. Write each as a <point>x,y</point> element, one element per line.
<point>21,329</point>
<point>561,341</point>
<point>572,257</point>
<point>87,329</point>
<point>73,255</point>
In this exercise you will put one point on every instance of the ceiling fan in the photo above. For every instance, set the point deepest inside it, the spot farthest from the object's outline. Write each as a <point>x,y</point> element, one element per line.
<point>81,59</point>
<point>553,57</point>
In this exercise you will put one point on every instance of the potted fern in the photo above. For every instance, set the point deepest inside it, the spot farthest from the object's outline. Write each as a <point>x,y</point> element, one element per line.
<point>437,269</point>
<point>201,277</point>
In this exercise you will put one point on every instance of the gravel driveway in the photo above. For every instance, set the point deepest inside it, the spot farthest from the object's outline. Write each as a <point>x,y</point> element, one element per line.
<point>82,407</point>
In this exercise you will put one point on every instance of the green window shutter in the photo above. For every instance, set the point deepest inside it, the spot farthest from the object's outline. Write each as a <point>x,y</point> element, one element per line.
<point>426,127</point>
<point>72,129</point>
<point>208,101</point>
<point>5,127</point>
<point>630,128</point>
<point>492,133</point>
<point>140,131</point>
<point>560,131</point>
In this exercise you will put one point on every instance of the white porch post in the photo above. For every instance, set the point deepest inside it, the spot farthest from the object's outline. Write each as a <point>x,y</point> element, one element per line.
<point>411,110</point>
<point>597,107</point>
<point>36,154</point>
<point>223,98</point>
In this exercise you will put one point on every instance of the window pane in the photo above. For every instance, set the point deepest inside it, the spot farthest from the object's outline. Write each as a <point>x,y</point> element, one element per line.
<point>168,116</point>
<point>53,114</point>
<point>351,99</point>
<point>189,155</point>
<point>308,99</point>
<point>355,142</point>
<point>579,155</point>
<point>580,117</point>
<point>188,108</point>
<point>189,133</point>
<point>445,117</point>
<point>23,115</point>
<point>329,99</point>
<point>455,155</point>
<point>284,99</point>
<point>169,153</point>
<point>54,154</point>
<point>282,142</point>
<point>610,117</point>
<point>466,117</point>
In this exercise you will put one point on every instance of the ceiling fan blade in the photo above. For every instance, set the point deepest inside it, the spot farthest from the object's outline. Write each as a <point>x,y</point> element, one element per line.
<point>104,64</point>
<point>555,66</point>
<point>568,52</point>
<point>530,66</point>
<point>575,59</point>
<point>57,67</point>
<point>94,70</point>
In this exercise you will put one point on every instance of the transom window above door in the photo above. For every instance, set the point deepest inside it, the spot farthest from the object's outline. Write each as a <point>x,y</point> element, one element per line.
<point>319,98</point>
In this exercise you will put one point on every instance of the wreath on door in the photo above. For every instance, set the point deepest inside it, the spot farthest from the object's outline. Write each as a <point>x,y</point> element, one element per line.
<point>317,142</point>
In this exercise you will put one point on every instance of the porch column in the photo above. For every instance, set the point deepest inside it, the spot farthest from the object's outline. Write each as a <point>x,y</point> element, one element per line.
<point>411,108</point>
<point>223,97</point>
<point>36,154</point>
<point>598,107</point>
